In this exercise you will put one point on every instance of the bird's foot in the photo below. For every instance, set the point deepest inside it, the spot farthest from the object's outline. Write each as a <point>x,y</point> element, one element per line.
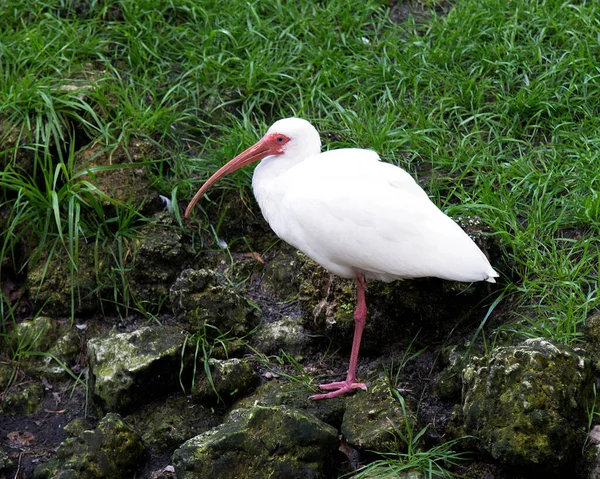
<point>338,388</point>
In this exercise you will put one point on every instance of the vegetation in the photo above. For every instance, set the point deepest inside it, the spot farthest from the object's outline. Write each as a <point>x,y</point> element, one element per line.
<point>493,107</point>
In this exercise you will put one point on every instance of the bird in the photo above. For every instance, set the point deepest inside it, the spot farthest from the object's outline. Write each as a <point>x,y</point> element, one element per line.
<point>355,215</point>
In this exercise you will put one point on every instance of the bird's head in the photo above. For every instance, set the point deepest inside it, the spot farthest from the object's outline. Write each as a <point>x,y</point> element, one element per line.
<point>291,137</point>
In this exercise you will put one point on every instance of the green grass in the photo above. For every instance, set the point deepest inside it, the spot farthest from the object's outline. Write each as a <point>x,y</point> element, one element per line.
<point>411,455</point>
<point>494,108</point>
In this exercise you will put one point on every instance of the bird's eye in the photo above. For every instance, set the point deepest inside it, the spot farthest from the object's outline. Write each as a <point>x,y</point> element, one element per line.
<point>280,139</point>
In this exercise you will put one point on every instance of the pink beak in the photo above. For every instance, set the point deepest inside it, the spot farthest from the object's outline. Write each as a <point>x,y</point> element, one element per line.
<point>258,151</point>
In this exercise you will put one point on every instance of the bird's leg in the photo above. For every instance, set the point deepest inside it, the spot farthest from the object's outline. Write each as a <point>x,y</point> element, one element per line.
<point>360,318</point>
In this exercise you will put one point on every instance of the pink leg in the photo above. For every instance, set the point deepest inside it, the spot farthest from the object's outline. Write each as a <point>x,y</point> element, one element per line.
<point>360,318</point>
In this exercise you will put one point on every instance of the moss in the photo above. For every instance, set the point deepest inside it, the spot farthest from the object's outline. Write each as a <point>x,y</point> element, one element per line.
<point>130,369</point>
<point>528,403</point>
<point>25,398</point>
<point>113,450</point>
<point>275,442</point>
<point>198,298</point>
<point>373,418</point>
<point>231,379</point>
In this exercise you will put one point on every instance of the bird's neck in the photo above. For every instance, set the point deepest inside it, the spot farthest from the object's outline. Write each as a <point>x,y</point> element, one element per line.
<point>270,176</point>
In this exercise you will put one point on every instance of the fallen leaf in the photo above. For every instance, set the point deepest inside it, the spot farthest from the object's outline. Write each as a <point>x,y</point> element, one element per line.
<point>21,438</point>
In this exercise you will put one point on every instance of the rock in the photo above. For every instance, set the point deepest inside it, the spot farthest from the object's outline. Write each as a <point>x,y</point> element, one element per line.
<point>130,369</point>
<point>229,379</point>
<point>5,462</point>
<point>296,395</point>
<point>280,274</point>
<point>396,310</point>
<point>166,424</point>
<point>6,375</point>
<point>128,185</point>
<point>373,417</point>
<point>528,403</point>
<point>199,300</point>
<point>287,334</point>
<point>448,384</point>
<point>275,442</point>
<point>160,254</point>
<point>45,335</point>
<point>67,289</point>
<point>589,464</point>
<point>112,450</point>
<point>25,398</point>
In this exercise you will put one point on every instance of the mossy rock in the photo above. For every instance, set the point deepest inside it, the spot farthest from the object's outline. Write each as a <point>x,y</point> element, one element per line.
<point>57,287</point>
<point>295,395</point>
<point>24,398</point>
<point>167,423</point>
<point>112,450</point>
<point>373,418</point>
<point>396,311</point>
<point>5,462</point>
<point>286,334</point>
<point>131,369</point>
<point>7,373</point>
<point>199,298</point>
<point>128,185</point>
<point>280,274</point>
<point>160,251</point>
<point>275,442</point>
<point>528,404</point>
<point>58,339</point>
<point>229,380</point>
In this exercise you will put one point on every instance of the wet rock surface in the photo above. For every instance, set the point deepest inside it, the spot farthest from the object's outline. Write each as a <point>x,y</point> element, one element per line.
<point>224,381</point>
<point>276,442</point>
<point>529,404</point>
<point>112,449</point>
<point>130,369</point>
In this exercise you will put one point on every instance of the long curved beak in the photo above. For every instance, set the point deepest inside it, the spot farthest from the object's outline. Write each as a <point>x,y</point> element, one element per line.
<point>256,152</point>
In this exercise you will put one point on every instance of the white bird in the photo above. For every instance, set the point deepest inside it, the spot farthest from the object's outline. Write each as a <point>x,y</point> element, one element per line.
<point>355,215</point>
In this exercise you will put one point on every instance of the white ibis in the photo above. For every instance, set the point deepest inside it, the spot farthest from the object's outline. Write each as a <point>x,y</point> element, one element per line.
<point>355,215</point>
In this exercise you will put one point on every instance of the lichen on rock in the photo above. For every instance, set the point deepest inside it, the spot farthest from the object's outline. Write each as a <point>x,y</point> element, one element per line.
<point>112,450</point>
<point>373,418</point>
<point>130,369</point>
<point>528,403</point>
<point>275,442</point>
<point>229,379</point>
<point>199,298</point>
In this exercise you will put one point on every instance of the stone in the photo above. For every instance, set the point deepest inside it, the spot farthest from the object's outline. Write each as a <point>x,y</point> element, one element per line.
<point>131,369</point>
<point>167,423</point>
<point>112,450</point>
<point>43,334</point>
<point>296,395</point>
<point>202,302</point>
<point>229,379</point>
<point>160,253</point>
<point>528,403</point>
<point>373,417</point>
<point>67,289</point>
<point>276,442</point>
<point>23,398</point>
<point>287,334</point>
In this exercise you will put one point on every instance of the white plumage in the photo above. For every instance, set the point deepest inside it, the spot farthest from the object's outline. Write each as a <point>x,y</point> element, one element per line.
<point>355,215</point>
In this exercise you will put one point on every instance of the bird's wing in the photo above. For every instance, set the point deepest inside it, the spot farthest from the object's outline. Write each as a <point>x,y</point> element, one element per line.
<point>374,219</point>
